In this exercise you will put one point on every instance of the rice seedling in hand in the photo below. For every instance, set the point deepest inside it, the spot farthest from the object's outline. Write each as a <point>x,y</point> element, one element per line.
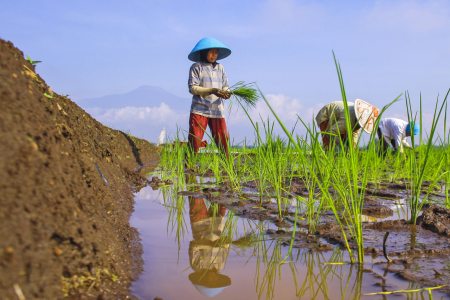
<point>245,94</point>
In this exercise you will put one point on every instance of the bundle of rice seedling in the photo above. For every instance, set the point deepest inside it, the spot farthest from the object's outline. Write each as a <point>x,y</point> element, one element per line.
<point>245,93</point>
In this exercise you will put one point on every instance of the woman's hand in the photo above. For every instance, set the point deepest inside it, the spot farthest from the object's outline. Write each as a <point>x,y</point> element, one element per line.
<point>225,95</point>
<point>215,91</point>
<point>221,94</point>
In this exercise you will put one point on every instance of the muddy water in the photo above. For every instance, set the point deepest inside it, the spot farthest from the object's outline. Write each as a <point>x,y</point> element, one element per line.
<point>195,250</point>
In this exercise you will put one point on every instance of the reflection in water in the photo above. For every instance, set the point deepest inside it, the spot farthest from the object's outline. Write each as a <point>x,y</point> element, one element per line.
<point>217,232</point>
<point>313,279</point>
<point>207,252</point>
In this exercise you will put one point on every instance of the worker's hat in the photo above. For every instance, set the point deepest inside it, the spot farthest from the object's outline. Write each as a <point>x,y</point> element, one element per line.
<point>209,283</point>
<point>413,125</point>
<point>366,114</point>
<point>209,43</point>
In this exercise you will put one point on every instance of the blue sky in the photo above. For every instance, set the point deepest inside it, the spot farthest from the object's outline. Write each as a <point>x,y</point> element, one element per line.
<point>95,48</point>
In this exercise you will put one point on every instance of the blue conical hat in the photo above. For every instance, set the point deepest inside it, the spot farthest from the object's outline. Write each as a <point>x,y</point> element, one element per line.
<point>209,43</point>
<point>414,126</point>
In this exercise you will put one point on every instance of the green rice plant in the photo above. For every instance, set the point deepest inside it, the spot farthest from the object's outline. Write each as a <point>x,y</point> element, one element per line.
<point>380,170</point>
<point>350,176</point>
<point>261,175</point>
<point>245,242</point>
<point>245,93</point>
<point>309,167</point>
<point>242,166</point>
<point>320,175</point>
<point>320,273</point>
<point>445,145</point>
<point>298,148</point>
<point>336,179</point>
<point>344,177</point>
<point>447,179</point>
<point>275,162</point>
<point>417,166</point>
<point>228,165</point>
<point>201,162</point>
<point>272,268</point>
<point>175,205</point>
<point>216,168</point>
<point>414,289</point>
<point>173,155</point>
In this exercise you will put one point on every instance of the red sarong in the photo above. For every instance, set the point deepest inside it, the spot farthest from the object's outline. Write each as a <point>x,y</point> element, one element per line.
<point>197,127</point>
<point>325,137</point>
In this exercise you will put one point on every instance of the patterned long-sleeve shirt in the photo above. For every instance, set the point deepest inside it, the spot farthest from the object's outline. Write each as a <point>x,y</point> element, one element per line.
<point>334,113</point>
<point>205,75</point>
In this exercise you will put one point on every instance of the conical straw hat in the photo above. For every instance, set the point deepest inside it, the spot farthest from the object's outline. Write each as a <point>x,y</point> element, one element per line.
<point>209,43</point>
<point>366,114</point>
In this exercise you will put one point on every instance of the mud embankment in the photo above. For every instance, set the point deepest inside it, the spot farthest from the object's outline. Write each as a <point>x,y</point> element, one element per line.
<point>65,192</point>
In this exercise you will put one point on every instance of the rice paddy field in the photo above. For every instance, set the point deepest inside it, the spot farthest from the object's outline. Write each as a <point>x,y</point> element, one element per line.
<point>285,219</point>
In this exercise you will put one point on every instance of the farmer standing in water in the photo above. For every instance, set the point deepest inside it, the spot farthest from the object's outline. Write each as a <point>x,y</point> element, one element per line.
<point>208,84</point>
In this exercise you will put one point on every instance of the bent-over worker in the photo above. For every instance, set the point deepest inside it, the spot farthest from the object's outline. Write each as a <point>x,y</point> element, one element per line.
<point>331,119</point>
<point>394,131</point>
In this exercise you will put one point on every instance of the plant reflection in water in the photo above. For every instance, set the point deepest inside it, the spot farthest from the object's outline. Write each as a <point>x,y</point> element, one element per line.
<point>218,234</point>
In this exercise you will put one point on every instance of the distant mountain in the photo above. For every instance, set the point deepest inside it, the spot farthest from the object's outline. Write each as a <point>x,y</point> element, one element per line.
<point>144,96</point>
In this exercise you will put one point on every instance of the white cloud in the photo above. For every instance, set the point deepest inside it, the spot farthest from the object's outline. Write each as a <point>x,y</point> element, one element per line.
<point>145,122</point>
<point>154,115</point>
<point>287,109</point>
<point>148,121</point>
<point>416,16</point>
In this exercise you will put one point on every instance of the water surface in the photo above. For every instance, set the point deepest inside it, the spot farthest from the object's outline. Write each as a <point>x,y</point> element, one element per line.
<point>197,250</point>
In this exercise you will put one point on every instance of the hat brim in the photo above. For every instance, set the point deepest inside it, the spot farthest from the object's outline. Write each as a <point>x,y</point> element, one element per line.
<point>210,279</point>
<point>366,114</point>
<point>223,52</point>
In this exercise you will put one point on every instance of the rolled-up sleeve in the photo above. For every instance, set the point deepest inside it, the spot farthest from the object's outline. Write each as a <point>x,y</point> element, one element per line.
<point>322,115</point>
<point>405,143</point>
<point>224,80</point>
<point>398,137</point>
<point>355,135</point>
<point>194,78</point>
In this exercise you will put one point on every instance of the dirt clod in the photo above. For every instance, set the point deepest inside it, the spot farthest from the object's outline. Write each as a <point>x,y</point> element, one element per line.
<point>435,219</point>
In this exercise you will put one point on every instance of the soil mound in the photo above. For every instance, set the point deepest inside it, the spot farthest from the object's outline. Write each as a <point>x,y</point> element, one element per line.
<point>436,219</point>
<point>66,193</point>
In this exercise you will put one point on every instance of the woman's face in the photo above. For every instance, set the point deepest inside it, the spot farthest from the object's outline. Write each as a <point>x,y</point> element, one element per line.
<point>212,55</point>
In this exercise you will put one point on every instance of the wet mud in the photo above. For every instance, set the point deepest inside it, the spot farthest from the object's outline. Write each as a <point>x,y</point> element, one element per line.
<point>418,253</point>
<point>66,191</point>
